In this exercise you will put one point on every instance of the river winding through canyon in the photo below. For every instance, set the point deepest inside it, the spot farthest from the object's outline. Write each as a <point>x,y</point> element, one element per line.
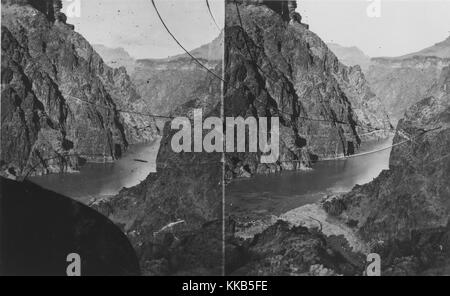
<point>96,180</point>
<point>260,195</point>
<point>266,195</point>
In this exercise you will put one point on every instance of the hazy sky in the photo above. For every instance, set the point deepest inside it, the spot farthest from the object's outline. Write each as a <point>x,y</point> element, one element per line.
<point>134,24</point>
<point>404,26</point>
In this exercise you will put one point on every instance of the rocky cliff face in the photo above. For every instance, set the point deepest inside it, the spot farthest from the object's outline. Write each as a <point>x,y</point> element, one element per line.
<point>275,66</point>
<point>405,212</point>
<point>50,8</point>
<point>402,82</point>
<point>59,98</point>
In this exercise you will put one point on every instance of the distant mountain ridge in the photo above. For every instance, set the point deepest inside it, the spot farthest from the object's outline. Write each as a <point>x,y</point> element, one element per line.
<point>115,57</point>
<point>440,50</point>
<point>212,51</point>
<point>402,81</point>
<point>166,83</point>
<point>350,55</point>
<point>119,57</point>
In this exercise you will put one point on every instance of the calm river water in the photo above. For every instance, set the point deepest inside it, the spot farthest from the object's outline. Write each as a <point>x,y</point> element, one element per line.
<point>103,179</point>
<point>274,194</point>
<point>277,194</point>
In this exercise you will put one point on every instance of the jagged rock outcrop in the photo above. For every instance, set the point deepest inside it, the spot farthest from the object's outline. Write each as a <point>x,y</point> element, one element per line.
<point>48,7</point>
<point>59,98</point>
<point>405,212</point>
<point>276,67</point>
<point>285,8</point>
<point>368,107</point>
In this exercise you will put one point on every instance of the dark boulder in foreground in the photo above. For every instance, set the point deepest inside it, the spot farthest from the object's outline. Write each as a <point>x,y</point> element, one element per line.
<point>40,228</point>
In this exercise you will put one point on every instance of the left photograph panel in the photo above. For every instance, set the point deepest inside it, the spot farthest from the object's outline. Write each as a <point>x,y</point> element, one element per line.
<point>103,167</point>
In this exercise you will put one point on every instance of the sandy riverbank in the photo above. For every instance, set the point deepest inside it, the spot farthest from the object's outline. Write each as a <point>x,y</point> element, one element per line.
<point>310,216</point>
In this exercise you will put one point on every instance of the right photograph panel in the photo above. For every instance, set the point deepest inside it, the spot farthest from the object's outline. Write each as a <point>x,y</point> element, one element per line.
<point>336,120</point>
